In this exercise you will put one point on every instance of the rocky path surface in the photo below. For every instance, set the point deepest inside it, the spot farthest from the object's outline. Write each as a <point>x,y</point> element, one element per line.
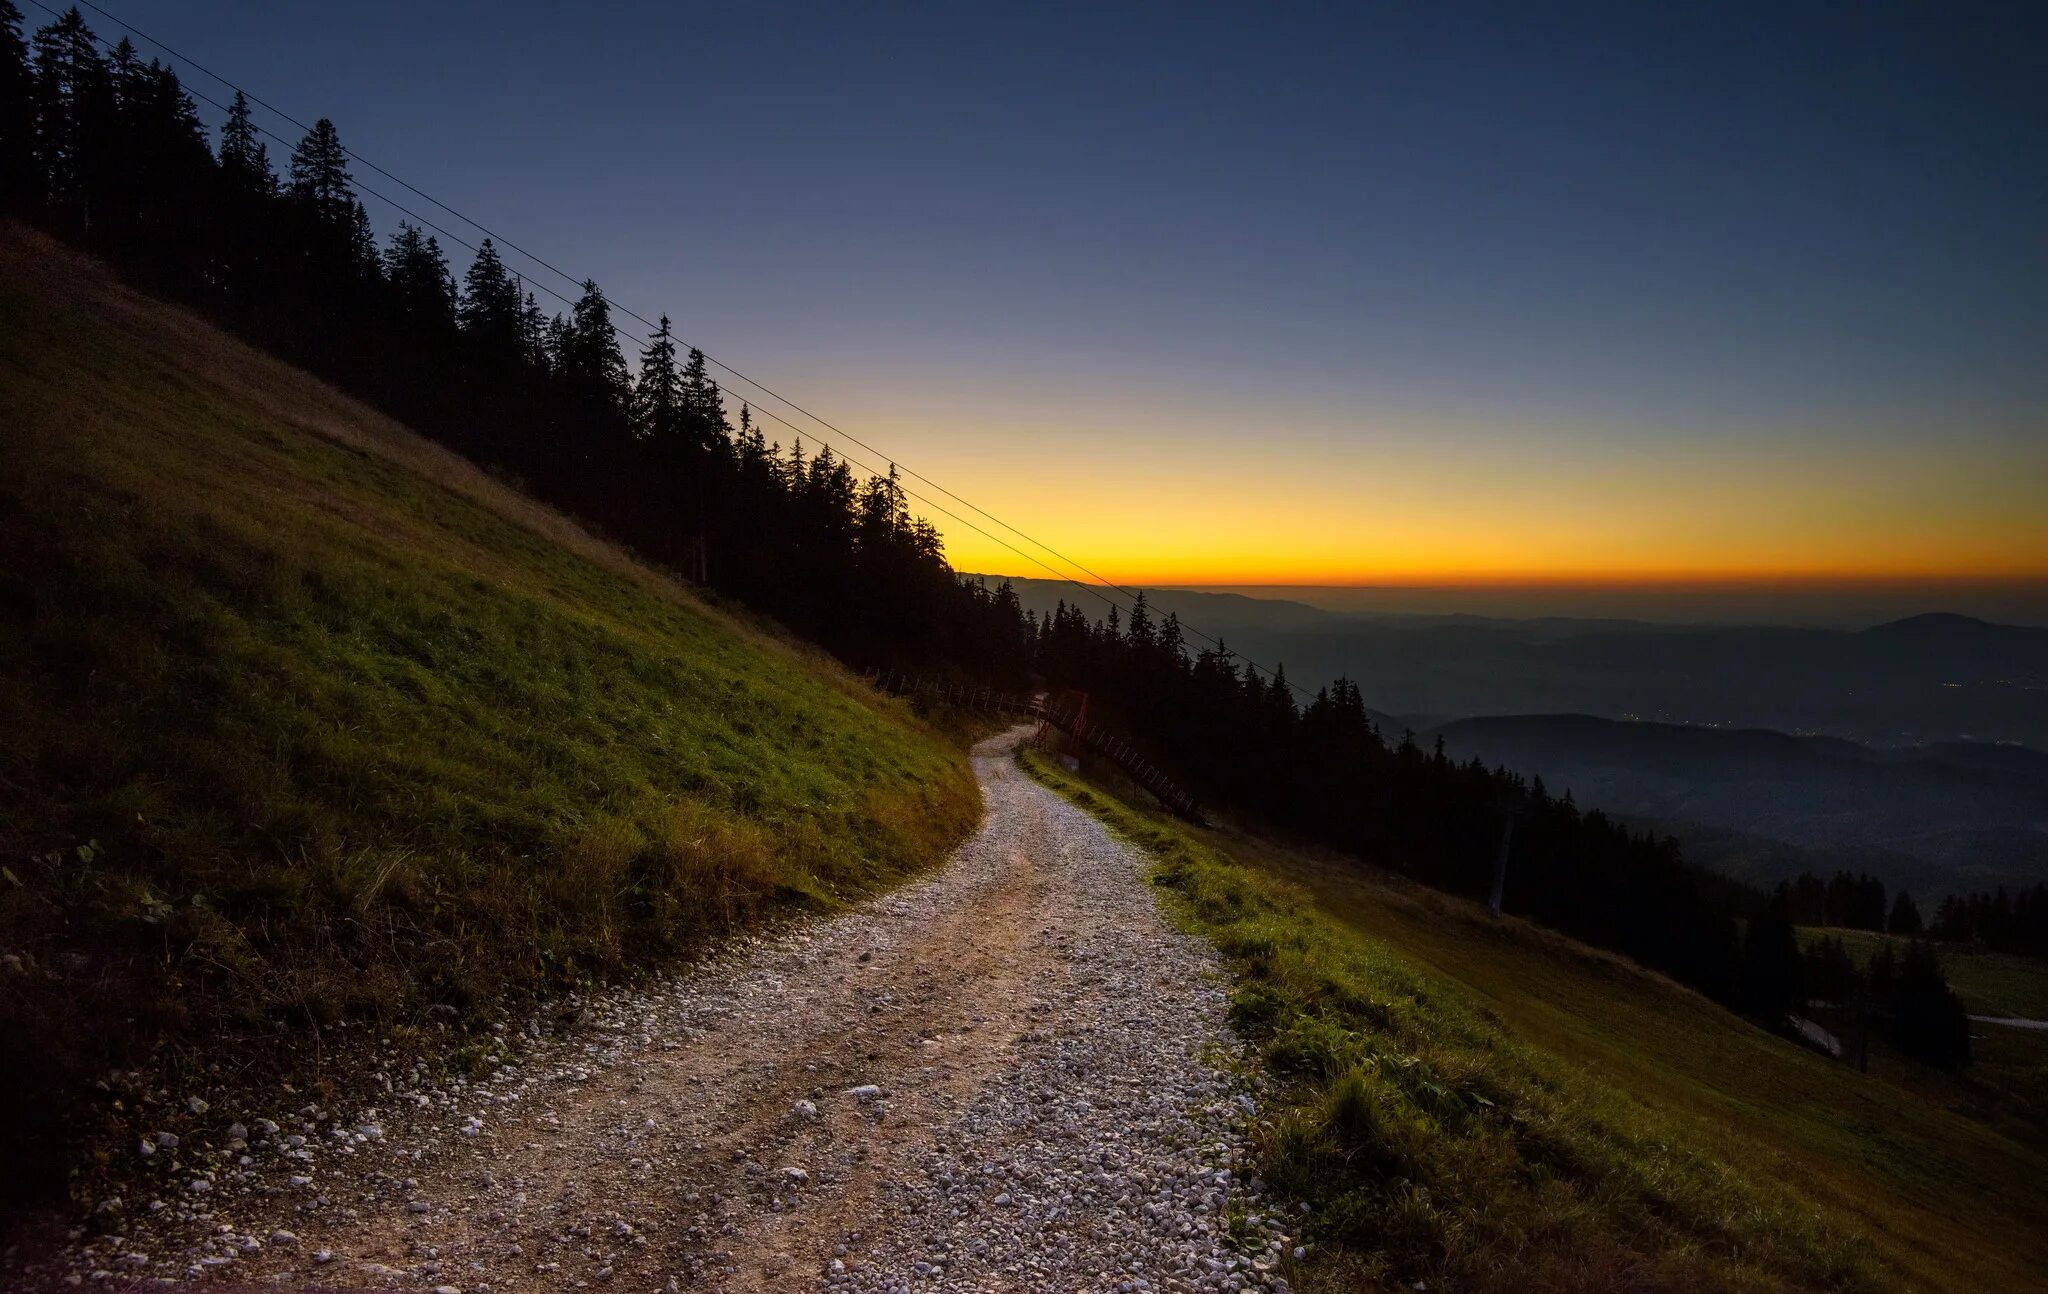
<point>1009,1076</point>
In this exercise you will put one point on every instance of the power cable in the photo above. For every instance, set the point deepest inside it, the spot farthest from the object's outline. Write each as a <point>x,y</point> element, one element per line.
<point>1096,590</point>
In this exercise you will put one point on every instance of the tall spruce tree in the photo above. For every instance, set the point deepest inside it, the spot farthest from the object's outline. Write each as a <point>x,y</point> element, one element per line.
<point>246,240</point>
<point>1905,917</point>
<point>72,108</point>
<point>244,160</point>
<point>170,185</point>
<point>533,334</point>
<point>422,289</point>
<point>490,314</point>
<point>703,406</point>
<point>17,122</point>
<point>320,183</point>
<point>592,364</point>
<point>658,395</point>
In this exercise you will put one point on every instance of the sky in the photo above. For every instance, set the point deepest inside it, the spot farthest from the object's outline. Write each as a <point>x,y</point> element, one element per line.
<point>1291,294</point>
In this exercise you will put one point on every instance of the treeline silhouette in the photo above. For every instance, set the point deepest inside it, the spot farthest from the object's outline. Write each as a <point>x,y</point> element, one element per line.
<point>1906,996</point>
<point>1851,902</point>
<point>109,152</point>
<point>2007,923</point>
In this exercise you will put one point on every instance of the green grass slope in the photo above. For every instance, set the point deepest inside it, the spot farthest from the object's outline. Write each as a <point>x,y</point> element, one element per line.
<point>1486,1105</point>
<point>303,719</point>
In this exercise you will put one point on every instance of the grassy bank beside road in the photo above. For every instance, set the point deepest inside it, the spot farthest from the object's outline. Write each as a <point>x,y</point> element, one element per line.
<point>1487,1105</point>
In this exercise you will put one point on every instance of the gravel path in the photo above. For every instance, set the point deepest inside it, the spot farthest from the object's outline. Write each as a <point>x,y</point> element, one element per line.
<point>1010,1076</point>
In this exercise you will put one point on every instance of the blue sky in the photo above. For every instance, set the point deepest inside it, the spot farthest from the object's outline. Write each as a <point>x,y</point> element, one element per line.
<point>1219,261</point>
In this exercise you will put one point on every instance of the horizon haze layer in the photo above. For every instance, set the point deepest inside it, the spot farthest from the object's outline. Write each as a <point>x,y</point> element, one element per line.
<point>1807,604</point>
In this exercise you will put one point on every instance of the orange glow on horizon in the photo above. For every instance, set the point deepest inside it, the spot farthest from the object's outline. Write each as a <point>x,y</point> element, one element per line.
<point>1497,580</point>
<point>1410,519</point>
<point>1192,496</point>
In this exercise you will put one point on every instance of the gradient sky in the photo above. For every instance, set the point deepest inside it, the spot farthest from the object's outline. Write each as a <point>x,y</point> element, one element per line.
<point>1285,294</point>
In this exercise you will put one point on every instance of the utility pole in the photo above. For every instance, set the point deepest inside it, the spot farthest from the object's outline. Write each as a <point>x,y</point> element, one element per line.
<point>1863,1005</point>
<point>1500,863</point>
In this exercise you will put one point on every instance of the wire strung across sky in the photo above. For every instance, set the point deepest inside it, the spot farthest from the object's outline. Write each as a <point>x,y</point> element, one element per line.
<point>1102,589</point>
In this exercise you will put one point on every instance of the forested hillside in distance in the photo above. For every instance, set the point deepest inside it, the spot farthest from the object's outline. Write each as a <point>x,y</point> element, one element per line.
<point>1922,680</point>
<point>1937,819</point>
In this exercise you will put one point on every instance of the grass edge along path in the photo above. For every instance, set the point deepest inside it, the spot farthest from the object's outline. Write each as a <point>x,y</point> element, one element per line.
<point>1433,1146</point>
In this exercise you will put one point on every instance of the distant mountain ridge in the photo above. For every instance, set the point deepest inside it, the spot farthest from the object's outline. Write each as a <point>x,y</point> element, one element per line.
<point>1905,682</point>
<point>1945,816</point>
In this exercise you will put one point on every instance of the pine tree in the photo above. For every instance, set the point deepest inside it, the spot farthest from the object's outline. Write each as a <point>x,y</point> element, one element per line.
<point>1173,644</point>
<point>167,228</point>
<point>1280,696</point>
<point>122,154</point>
<point>245,246</point>
<point>72,107</point>
<point>533,333</point>
<point>703,406</point>
<point>244,161</point>
<point>1773,969</point>
<point>492,320</point>
<point>1905,918</point>
<point>1925,1019</point>
<point>658,395</point>
<point>422,288</point>
<point>17,128</point>
<point>555,345</point>
<point>334,253</point>
<point>753,445</point>
<point>884,516</point>
<point>1139,632</point>
<point>125,71</point>
<point>591,362</point>
<point>320,182</point>
<point>362,240</point>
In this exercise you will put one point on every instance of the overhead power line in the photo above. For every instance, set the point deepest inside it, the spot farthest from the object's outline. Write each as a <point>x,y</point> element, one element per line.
<point>1101,589</point>
<point>459,241</point>
<point>503,241</point>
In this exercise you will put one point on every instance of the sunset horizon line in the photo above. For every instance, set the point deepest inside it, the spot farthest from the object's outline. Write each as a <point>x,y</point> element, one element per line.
<point>1576,580</point>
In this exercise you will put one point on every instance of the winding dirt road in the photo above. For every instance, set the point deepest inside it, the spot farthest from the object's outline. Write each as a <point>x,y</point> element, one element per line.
<point>1010,1075</point>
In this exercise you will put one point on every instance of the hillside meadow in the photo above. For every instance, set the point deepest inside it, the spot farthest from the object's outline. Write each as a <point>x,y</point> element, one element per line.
<point>304,720</point>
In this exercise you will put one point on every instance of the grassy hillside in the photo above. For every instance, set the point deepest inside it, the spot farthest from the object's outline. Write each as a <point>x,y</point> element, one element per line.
<point>1487,1105</point>
<point>303,719</point>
